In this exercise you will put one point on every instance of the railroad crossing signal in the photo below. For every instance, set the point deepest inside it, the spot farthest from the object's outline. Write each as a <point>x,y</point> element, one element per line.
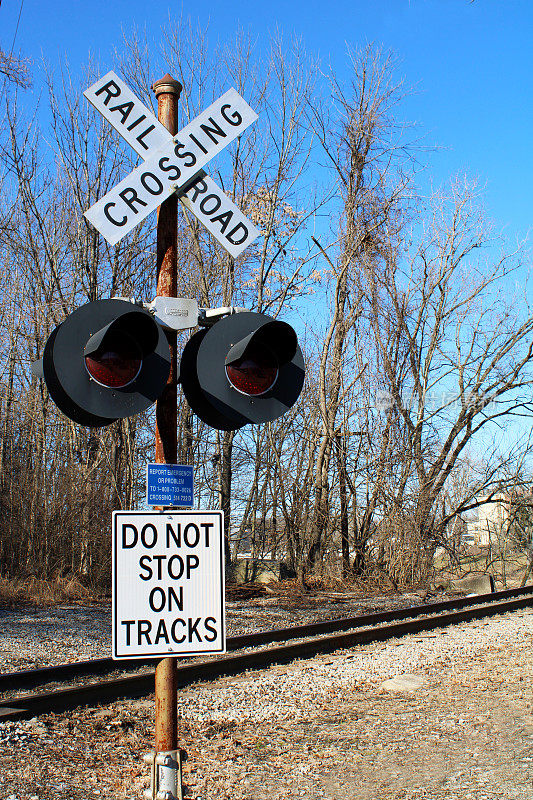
<point>172,163</point>
<point>109,359</point>
<point>247,368</point>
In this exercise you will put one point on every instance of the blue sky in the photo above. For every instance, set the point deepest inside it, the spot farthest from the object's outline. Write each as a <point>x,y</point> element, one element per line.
<point>471,64</point>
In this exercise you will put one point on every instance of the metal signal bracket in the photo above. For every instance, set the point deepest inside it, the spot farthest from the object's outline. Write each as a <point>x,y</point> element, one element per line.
<point>179,313</point>
<point>172,313</point>
<point>208,316</point>
<point>166,775</point>
<point>175,313</point>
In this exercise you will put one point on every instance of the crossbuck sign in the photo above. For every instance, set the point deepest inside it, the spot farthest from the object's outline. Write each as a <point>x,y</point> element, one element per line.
<point>171,164</point>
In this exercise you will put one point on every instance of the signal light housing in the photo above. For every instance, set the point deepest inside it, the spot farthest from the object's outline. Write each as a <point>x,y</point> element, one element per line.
<point>109,359</point>
<point>246,368</point>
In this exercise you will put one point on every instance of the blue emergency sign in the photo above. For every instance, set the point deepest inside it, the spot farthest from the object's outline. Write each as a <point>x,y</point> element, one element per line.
<point>169,485</point>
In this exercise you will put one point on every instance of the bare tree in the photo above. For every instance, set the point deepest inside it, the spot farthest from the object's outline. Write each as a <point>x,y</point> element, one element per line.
<point>56,263</point>
<point>15,69</point>
<point>463,375</point>
<point>372,188</point>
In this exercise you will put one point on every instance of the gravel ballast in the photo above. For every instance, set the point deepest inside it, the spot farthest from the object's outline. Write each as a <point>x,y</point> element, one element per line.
<point>285,692</point>
<point>320,728</point>
<point>40,637</point>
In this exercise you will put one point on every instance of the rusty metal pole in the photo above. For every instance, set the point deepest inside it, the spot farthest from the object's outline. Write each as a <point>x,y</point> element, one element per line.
<point>167,90</point>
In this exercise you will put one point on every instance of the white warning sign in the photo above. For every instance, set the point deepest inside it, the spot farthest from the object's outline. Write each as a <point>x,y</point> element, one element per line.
<point>168,583</point>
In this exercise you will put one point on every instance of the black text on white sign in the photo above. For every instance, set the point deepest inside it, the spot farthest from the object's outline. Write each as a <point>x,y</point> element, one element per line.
<point>168,583</point>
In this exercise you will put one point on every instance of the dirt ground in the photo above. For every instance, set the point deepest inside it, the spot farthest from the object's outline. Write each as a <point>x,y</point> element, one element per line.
<point>467,734</point>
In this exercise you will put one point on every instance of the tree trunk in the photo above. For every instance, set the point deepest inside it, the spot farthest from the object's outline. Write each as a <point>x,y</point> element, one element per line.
<point>343,498</point>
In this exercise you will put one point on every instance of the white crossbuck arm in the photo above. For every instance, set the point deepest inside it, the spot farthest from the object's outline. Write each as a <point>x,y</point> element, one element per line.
<point>171,164</point>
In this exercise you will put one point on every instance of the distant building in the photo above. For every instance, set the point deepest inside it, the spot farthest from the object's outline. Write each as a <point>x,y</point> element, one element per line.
<point>489,522</point>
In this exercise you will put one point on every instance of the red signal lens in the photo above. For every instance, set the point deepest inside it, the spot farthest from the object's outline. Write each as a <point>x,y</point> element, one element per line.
<point>116,364</point>
<point>255,372</point>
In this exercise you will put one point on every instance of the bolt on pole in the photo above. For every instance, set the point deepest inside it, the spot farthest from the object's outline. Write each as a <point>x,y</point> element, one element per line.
<point>167,90</point>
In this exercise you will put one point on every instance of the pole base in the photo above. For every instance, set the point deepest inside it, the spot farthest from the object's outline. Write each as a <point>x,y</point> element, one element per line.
<point>166,775</point>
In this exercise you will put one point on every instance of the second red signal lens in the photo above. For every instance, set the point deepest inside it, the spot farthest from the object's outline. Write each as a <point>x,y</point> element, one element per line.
<point>255,372</point>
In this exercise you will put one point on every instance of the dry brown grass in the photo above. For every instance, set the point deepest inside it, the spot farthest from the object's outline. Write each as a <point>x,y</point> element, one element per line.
<point>36,592</point>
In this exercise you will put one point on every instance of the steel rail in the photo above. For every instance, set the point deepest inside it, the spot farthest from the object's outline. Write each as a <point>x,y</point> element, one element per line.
<point>26,679</point>
<point>138,685</point>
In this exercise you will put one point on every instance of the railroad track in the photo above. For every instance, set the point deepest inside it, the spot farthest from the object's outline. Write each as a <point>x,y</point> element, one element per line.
<point>307,641</point>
